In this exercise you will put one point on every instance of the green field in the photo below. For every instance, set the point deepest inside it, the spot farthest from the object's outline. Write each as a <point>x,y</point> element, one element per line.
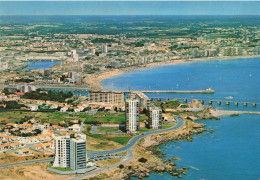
<point>108,129</point>
<point>121,139</point>
<point>55,117</point>
<point>61,169</point>
<point>104,117</point>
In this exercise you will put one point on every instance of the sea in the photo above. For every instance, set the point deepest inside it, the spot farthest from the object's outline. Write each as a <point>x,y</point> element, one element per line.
<point>40,64</point>
<point>232,151</point>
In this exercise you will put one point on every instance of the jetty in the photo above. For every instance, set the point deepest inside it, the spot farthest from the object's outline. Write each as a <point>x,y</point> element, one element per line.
<point>206,91</point>
<point>84,87</point>
<point>210,102</point>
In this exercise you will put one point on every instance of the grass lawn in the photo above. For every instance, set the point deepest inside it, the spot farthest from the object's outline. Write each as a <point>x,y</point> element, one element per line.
<point>143,117</point>
<point>105,117</point>
<point>61,169</point>
<point>42,117</point>
<point>56,117</point>
<point>121,139</point>
<point>166,126</point>
<point>144,129</point>
<point>107,129</point>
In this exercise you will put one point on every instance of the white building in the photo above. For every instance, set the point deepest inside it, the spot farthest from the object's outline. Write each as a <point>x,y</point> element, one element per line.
<point>70,152</point>
<point>104,48</point>
<point>132,115</point>
<point>26,88</point>
<point>75,128</point>
<point>34,107</point>
<point>155,118</point>
<point>78,154</point>
<point>62,152</point>
<point>74,55</point>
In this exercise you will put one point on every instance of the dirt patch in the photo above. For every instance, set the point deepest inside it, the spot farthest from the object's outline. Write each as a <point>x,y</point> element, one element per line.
<point>101,145</point>
<point>29,172</point>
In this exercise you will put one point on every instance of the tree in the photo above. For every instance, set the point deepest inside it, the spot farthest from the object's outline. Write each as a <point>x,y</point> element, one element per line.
<point>143,160</point>
<point>6,91</point>
<point>12,105</point>
<point>121,166</point>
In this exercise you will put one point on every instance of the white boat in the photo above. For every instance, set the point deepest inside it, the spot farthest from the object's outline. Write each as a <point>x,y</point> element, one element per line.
<point>229,97</point>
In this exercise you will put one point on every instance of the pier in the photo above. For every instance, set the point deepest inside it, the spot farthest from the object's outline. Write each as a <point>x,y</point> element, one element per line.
<point>210,102</point>
<point>206,91</point>
<point>73,87</point>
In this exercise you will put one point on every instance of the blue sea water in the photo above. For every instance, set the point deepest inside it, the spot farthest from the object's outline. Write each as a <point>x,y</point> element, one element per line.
<point>40,64</point>
<point>233,150</point>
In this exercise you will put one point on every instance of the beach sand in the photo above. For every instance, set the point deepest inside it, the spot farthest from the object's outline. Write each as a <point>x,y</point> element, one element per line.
<point>94,80</point>
<point>218,112</point>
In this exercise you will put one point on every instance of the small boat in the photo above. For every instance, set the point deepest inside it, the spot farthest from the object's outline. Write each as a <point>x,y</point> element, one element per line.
<point>229,97</point>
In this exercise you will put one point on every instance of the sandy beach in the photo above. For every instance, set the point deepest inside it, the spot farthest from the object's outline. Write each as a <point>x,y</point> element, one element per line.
<point>94,80</point>
<point>217,112</point>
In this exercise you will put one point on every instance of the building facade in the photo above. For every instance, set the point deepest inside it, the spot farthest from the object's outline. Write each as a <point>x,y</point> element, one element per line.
<point>62,152</point>
<point>132,115</point>
<point>143,99</point>
<point>104,48</point>
<point>155,118</point>
<point>70,152</point>
<point>78,154</point>
<point>106,97</point>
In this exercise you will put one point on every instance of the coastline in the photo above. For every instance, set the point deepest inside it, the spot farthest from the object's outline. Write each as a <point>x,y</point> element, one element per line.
<point>95,81</point>
<point>218,112</point>
<point>147,148</point>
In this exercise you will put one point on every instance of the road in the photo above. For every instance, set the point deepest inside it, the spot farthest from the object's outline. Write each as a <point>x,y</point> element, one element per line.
<point>132,142</point>
<point>26,162</point>
<point>128,148</point>
<point>91,154</point>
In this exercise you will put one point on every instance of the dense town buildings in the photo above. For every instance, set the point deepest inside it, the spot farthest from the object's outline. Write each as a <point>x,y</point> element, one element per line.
<point>92,53</point>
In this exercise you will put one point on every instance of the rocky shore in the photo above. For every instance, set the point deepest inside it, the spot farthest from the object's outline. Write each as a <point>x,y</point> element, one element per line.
<point>147,157</point>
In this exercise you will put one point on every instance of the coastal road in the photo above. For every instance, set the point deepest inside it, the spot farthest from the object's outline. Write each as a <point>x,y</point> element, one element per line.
<point>131,143</point>
<point>27,162</point>
<point>91,154</point>
<point>128,148</point>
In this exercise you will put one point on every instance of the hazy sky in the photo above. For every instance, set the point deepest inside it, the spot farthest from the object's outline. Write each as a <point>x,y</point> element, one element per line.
<point>129,8</point>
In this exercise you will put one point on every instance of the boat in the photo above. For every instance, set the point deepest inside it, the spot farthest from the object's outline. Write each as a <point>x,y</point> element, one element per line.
<point>229,97</point>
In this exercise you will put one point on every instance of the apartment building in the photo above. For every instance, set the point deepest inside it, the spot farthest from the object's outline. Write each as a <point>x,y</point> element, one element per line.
<point>132,115</point>
<point>70,152</point>
<point>106,97</point>
<point>155,118</point>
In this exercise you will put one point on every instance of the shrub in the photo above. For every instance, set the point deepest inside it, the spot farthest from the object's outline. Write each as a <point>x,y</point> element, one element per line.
<point>121,166</point>
<point>143,160</point>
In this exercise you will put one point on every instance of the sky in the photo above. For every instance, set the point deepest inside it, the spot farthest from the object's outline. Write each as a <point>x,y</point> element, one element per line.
<point>129,8</point>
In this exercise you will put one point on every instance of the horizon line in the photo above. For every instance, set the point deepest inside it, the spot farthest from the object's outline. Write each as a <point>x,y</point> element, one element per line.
<point>132,14</point>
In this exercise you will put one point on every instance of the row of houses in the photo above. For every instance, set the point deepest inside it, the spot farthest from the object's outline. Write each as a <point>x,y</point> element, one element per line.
<point>6,146</point>
<point>44,146</point>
